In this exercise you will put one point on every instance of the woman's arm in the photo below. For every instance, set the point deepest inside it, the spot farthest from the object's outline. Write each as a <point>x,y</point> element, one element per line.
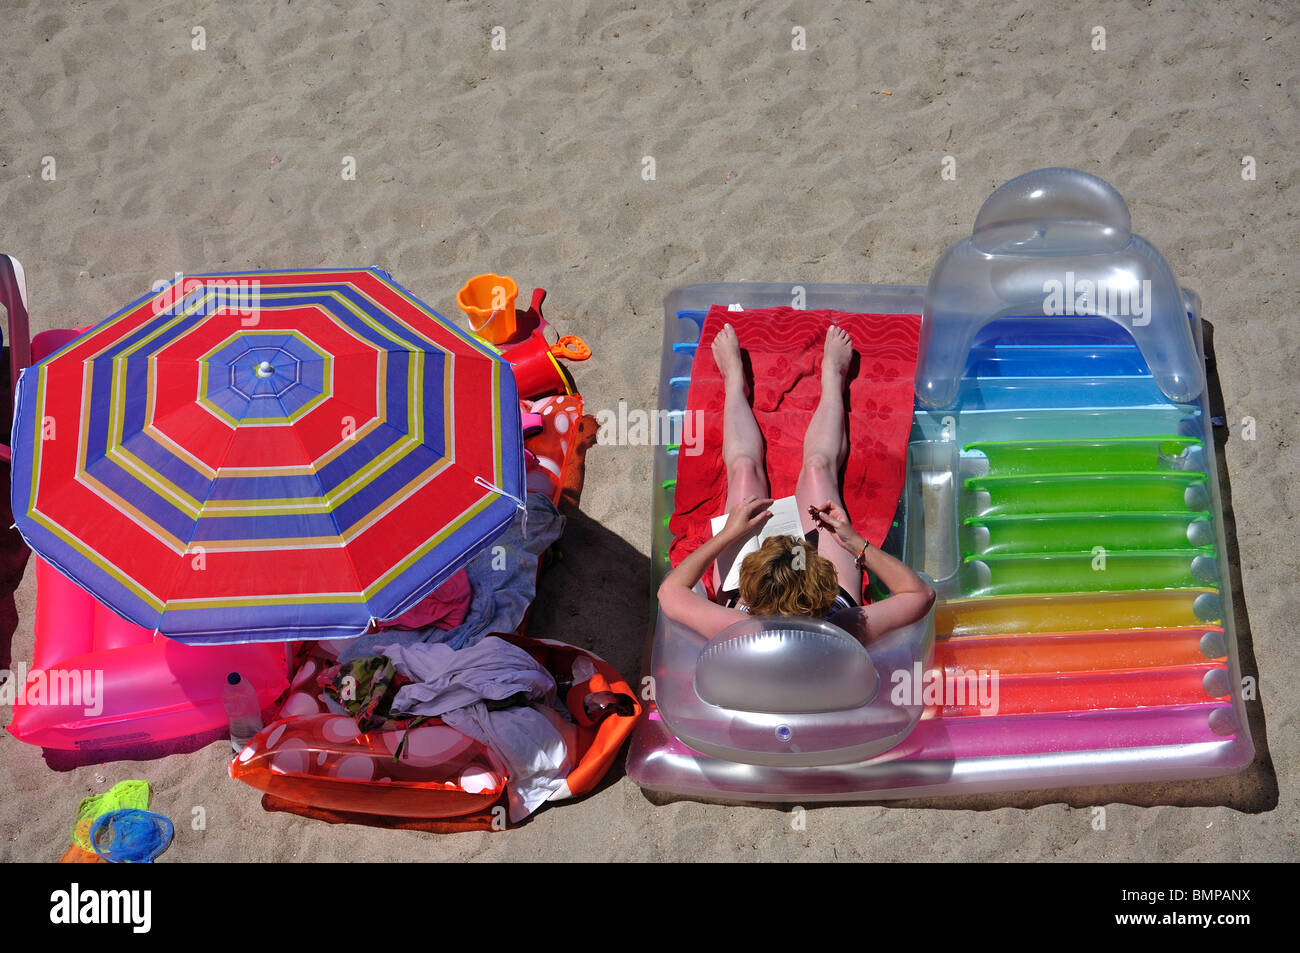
<point>910,596</point>
<point>677,595</point>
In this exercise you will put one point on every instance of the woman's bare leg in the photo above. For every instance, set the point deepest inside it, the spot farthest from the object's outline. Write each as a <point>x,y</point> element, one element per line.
<point>825,447</point>
<point>742,442</point>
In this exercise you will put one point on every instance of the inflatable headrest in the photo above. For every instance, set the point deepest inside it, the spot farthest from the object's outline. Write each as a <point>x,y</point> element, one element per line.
<point>1054,212</point>
<point>786,665</point>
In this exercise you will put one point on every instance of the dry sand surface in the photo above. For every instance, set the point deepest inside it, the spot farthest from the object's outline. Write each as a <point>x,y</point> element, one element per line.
<point>820,165</point>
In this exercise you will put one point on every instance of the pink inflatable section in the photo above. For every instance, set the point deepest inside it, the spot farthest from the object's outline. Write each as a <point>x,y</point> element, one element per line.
<point>98,681</point>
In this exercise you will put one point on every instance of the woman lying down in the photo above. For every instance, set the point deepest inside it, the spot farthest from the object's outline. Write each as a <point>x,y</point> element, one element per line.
<point>788,575</point>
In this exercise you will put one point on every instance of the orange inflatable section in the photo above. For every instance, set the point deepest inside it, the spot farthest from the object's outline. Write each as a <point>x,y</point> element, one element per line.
<point>323,760</point>
<point>601,744</point>
<point>316,763</point>
<point>1079,651</point>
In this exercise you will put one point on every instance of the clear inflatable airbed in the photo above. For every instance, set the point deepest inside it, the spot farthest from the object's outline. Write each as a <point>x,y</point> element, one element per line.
<point>1060,494</point>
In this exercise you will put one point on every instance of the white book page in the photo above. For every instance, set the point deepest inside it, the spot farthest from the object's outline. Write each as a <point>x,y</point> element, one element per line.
<point>784,522</point>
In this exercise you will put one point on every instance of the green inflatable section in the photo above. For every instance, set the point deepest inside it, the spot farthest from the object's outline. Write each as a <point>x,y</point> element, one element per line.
<point>1080,532</point>
<point>1128,454</point>
<point>1110,492</point>
<point>1087,515</point>
<point>1088,572</point>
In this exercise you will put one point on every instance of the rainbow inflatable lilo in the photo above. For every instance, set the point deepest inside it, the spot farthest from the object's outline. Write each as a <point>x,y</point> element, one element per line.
<point>1061,495</point>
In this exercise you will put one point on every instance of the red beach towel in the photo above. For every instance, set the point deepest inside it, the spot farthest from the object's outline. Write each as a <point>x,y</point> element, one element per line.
<point>785,350</point>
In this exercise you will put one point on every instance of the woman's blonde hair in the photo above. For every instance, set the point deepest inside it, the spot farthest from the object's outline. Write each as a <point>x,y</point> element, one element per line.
<point>787,576</point>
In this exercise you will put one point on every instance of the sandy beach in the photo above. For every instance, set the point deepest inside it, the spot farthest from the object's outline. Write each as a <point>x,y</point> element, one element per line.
<point>127,155</point>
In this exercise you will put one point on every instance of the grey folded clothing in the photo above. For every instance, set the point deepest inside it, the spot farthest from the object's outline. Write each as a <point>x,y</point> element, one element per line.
<point>536,740</point>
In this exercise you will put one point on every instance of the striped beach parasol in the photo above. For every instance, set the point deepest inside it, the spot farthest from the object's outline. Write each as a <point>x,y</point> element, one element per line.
<point>267,456</point>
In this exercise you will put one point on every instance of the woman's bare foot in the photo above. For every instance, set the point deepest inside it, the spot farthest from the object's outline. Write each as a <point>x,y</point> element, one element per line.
<point>839,354</point>
<point>726,351</point>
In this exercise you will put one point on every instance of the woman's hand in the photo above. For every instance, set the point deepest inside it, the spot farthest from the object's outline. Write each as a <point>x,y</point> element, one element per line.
<point>746,517</point>
<point>833,518</point>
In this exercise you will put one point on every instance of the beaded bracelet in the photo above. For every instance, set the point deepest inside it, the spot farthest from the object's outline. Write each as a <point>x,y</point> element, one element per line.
<point>861,561</point>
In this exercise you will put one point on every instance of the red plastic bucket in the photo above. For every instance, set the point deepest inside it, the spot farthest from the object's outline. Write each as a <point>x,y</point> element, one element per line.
<point>537,369</point>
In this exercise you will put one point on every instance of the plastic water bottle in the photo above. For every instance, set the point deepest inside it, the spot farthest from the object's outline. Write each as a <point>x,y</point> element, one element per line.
<point>243,710</point>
